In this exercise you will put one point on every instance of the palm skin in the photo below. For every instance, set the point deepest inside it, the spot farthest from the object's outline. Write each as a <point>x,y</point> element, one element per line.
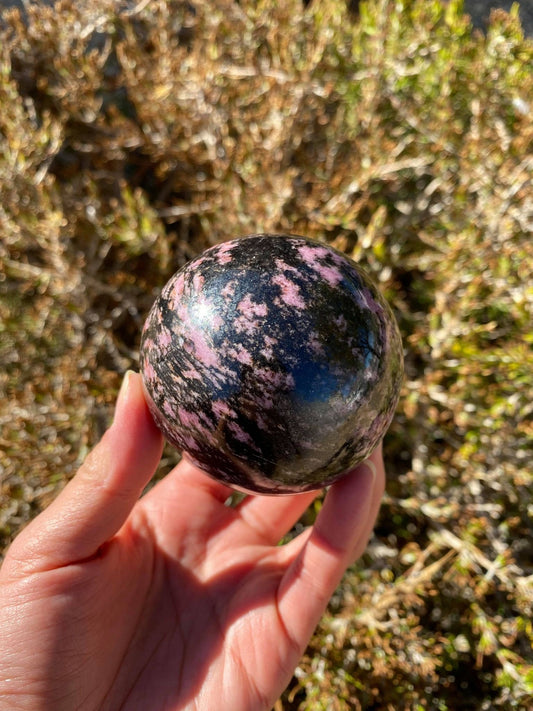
<point>174,600</point>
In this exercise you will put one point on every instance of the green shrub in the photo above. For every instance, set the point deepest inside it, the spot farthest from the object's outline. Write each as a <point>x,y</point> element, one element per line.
<point>133,136</point>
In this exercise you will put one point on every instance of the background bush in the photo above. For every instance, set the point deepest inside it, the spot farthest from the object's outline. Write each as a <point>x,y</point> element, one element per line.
<point>133,135</point>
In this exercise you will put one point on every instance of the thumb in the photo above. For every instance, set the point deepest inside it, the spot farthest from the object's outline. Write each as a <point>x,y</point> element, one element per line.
<point>97,501</point>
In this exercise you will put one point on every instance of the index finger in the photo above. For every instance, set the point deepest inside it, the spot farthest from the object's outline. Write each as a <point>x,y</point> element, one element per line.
<point>96,502</point>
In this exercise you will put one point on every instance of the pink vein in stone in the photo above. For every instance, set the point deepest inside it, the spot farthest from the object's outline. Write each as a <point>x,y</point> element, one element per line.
<point>284,267</point>
<point>216,321</point>
<point>149,372</point>
<point>265,402</point>
<point>245,325</point>
<point>240,434</point>
<point>198,283</point>
<point>272,377</point>
<point>149,344</point>
<point>290,292</point>
<point>240,354</point>
<point>312,255</point>
<point>192,421</point>
<point>224,253</point>
<point>222,409</point>
<point>189,419</point>
<point>168,409</point>
<point>229,290</point>
<point>202,350</point>
<point>165,338</point>
<point>182,311</point>
<point>268,351</point>
<point>191,374</point>
<point>176,292</point>
<point>250,308</point>
<point>189,443</point>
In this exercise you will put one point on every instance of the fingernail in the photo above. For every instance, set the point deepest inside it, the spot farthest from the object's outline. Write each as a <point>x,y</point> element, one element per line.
<point>123,392</point>
<point>370,464</point>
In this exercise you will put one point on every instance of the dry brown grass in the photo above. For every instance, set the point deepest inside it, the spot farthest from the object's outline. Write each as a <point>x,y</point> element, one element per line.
<point>134,135</point>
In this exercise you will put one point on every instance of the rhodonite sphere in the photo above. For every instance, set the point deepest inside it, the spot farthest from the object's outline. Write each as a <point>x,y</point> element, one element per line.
<point>273,362</point>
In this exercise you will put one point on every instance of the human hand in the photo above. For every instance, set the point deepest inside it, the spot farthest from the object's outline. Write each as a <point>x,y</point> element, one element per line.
<point>173,600</point>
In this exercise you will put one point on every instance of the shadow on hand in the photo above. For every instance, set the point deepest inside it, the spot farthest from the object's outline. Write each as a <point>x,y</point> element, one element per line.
<point>182,649</point>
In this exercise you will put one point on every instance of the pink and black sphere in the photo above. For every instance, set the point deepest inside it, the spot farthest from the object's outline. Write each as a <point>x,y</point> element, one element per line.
<point>273,362</point>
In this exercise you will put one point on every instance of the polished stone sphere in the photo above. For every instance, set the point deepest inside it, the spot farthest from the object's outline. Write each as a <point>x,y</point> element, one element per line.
<point>273,362</point>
